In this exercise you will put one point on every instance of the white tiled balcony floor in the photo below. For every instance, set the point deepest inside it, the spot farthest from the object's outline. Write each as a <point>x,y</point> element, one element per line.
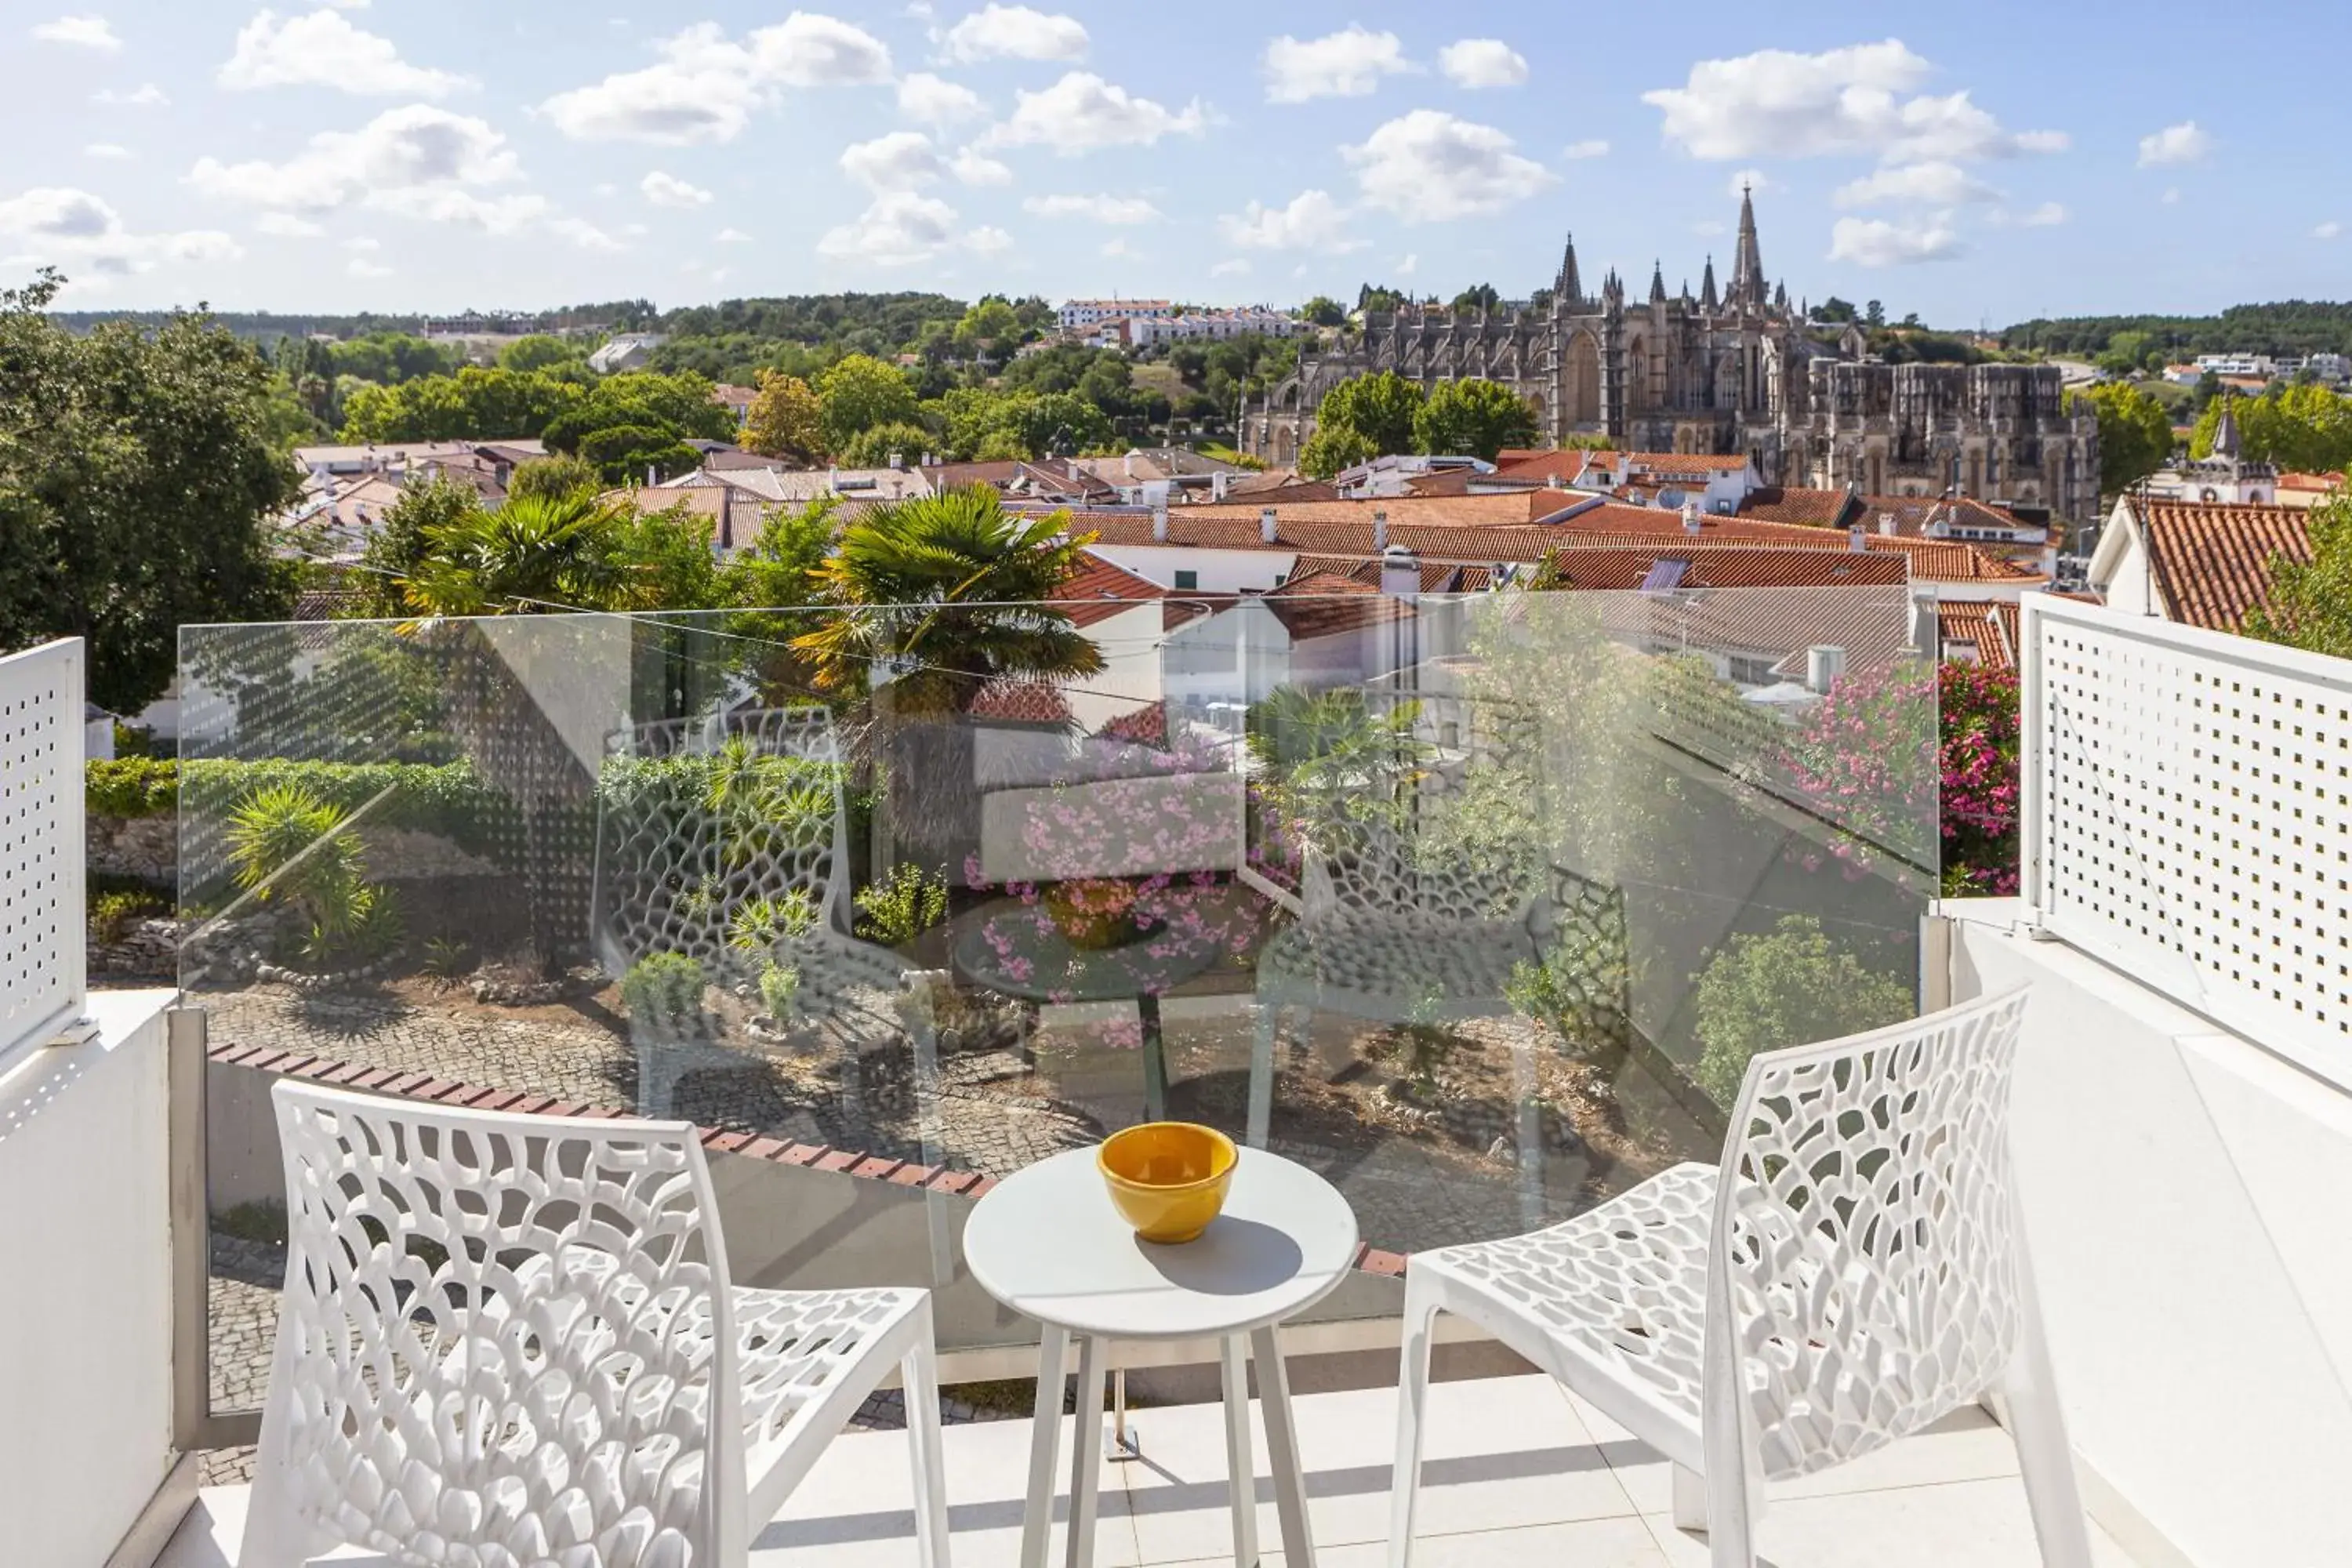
<point>1519,1471</point>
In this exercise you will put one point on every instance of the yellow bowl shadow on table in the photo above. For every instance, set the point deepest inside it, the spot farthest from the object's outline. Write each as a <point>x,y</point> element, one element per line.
<point>1167,1178</point>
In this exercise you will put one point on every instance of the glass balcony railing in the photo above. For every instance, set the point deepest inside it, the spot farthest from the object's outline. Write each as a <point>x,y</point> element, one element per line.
<point>1476,904</point>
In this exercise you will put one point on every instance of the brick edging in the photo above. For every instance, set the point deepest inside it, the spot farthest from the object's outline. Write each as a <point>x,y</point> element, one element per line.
<point>851,1163</point>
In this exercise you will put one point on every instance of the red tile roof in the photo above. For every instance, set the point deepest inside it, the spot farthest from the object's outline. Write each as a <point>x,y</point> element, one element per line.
<point>1991,629</point>
<point>1327,603</point>
<point>1783,504</point>
<point>2213,563</point>
<point>1098,590</point>
<point>1621,567</point>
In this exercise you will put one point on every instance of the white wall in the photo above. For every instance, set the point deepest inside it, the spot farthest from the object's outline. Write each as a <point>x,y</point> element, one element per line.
<point>86,1307</point>
<point>1221,570</point>
<point>2186,1204</point>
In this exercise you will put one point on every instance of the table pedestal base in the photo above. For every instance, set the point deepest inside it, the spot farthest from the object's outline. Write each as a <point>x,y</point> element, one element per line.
<point>1235,1353</point>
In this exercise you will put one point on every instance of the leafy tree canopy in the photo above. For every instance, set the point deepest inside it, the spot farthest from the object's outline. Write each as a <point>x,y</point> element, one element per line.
<point>1475,417</point>
<point>139,478</point>
<point>1325,311</point>
<point>2305,428</point>
<point>1380,407</point>
<point>785,420</point>
<point>2135,432</point>
<point>859,394</point>
<point>2311,604</point>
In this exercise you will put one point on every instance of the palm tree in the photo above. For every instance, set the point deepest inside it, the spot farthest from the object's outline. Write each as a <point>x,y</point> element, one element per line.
<point>536,552</point>
<point>945,595</point>
<point>948,591</point>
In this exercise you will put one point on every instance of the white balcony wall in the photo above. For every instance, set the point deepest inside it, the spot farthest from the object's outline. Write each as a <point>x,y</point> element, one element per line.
<point>86,1305</point>
<point>2184,1194</point>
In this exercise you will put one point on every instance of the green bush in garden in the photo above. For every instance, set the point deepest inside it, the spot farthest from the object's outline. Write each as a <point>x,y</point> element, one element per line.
<point>664,990</point>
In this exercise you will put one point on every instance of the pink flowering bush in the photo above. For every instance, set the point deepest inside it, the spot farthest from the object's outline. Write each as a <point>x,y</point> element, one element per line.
<point>1980,780</point>
<point>1865,758</point>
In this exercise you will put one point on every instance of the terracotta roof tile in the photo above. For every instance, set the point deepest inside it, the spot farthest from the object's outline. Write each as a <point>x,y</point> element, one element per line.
<point>1784,503</point>
<point>2213,562</point>
<point>1989,629</point>
<point>1623,567</point>
<point>1098,590</point>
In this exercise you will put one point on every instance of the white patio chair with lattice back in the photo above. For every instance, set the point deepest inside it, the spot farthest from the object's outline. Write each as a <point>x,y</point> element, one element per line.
<point>1854,1271</point>
<point>510,1340</point>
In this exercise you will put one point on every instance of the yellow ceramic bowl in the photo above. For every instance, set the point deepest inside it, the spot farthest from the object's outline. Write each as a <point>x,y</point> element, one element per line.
<point>1167,1178</point>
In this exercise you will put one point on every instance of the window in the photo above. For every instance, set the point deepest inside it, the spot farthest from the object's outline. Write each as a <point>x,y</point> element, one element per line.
<point>1188,580</point>
<point>1748,671</point>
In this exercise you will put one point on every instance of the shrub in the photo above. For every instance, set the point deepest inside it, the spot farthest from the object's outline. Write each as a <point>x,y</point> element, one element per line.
<point>284,842</point>
<point>1789,987</point>
<point>903,907</point>
<point>130,787</point>
<point>779,985</point>
<point>1978,708</point>
<point>763,925</point>
<point>111,913</point>
<point>664,990</point>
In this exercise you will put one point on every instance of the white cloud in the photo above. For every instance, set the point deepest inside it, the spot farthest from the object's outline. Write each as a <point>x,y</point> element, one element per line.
<point>80,32</point>
<point>1938,183</point>
<point>360,266</point>
<point>146,95</point>
<point>1016,32</point>
<point>1311,221</point>
<point>1483,62</point>
<point>1107,209</point>
<point>706,85</point>
<point>987,241</point>
<point>419,162</point>
<point>664,190</point>
<point>363,242</point>
<point>1576,152</point>
<point>2181,143</point>
<point>105,149</point>
<point>286,226</point>
<point>1119,248</point>
<point>1082,112</point>
<point>973,167</point>
<point>1232,267</point>
<point>1779,104</point>
<point>1345,64</point>
<point>935,100</point>
<point>1876,242</point>
<point>897,160</point>
<point>731,236</point>
<point>2049,215</point>
<point>2328,230</point>
<point>583,234</point>
<point>899,227</point>
<point>324,49</point>
<point>74,228</point>
<point>1429,164</point>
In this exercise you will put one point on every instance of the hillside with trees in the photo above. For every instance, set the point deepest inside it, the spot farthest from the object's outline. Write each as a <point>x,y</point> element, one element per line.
<point>2292,328</point>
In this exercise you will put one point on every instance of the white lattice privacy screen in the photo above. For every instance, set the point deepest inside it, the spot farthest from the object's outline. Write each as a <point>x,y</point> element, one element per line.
<point>2187,815</point>
<point>42,926</point>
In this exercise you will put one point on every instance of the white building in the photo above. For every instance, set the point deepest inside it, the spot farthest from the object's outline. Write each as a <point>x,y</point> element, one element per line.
<point>626,350</point>
<point>1215,326</point>
<point>1076,315</point>
<point>2237,364</point>
<point>2224,475</point>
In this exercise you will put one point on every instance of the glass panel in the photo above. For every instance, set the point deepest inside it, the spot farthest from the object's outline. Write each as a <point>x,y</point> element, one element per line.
<point>1476,904</point>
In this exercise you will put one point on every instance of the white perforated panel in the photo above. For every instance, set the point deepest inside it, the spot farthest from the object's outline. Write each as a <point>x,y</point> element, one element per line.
<point>42,962</point>
<point>2187,815</point>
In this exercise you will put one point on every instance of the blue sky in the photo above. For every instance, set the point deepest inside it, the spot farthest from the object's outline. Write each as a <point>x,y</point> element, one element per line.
<point>1980,163</point>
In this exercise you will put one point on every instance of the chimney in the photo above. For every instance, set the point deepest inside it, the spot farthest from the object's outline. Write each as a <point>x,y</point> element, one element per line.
<point>1265,525</point>
<point>1857,539</point>
<point>1691,524</point>
<point>1823,665</point>
<point>1886,525</point>
<point>1160,523</point>
<point>1400,573</point>
<point>1217,483</point>
<point>1380,530</point>
<point>897,462</point>
<point>653,476</point>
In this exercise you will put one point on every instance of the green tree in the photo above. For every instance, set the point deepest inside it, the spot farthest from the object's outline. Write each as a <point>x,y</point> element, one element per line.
<point>1478,297</point>
<point>140,483</point>
<point>1375,300</point>
<point>397,549</point>
<point>859,394</point>
<point>1834,309</point>
<point>989,327</point>
<point>786,420</point>
<point>475,405</point>
<point>526,557</point>
<point>2310,604</point>
<point>556,477</point>
<point>2135,432</point>
<point>1334,447</point>
<point>637,454</point>
<point>1873,314</point>
<point>974,575</point>
<point>2303,428</point>
<point>1789,987</point>
<point>874,449</point>
<point>1380,407</point>
<point>1324,311</point>
<point>541,350</point>
<point>665,560</point>
<point>1475,417</point>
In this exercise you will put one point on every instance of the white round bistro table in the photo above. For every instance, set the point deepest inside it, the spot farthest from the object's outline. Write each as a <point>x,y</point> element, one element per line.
<point>1048,1244</point>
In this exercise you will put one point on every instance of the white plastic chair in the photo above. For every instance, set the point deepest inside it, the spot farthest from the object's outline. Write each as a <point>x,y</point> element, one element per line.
<point>510,1340</point>
<point>1874,1279</point>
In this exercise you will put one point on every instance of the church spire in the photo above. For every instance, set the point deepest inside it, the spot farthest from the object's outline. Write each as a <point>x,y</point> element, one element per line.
<point>1747,265</point>
<point>1706,287</point>
<point>2225,433</point>
<point>1571,288</point>
<point>1657,282</point>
